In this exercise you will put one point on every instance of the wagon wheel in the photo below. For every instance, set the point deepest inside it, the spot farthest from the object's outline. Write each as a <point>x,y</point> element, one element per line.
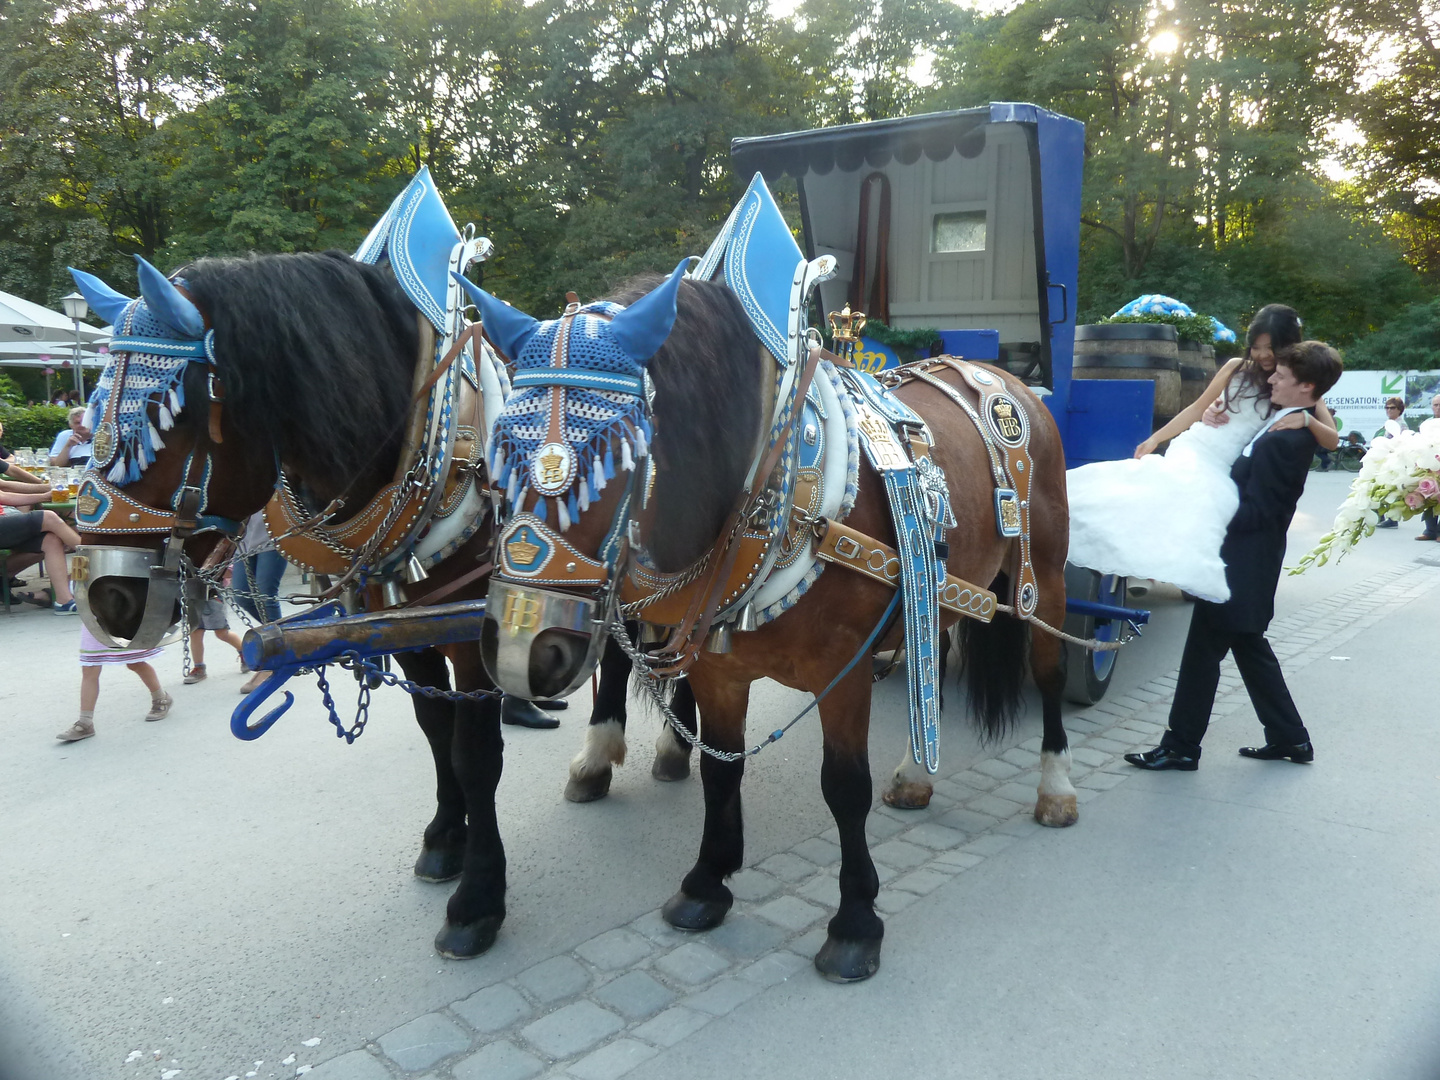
<point>1088,672</point>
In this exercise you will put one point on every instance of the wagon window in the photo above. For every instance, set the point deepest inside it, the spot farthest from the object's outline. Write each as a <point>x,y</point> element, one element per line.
<point>961,231</point>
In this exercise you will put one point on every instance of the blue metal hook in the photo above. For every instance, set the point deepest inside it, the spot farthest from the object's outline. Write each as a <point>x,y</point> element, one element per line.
<point>240,725</point>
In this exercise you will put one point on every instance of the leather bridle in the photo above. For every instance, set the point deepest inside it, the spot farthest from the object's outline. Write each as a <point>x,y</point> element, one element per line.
<point>101,507</point>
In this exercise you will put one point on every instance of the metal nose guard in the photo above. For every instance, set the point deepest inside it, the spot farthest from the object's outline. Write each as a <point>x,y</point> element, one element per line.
<point>157,626</point>
<point>538,643</point>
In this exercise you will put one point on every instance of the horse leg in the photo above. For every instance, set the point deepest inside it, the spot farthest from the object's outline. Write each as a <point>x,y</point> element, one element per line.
<point>442,852</point>
<point>704,898</point>
<point>672,753</point>
<point>605,735</point>
<point>852,950</point>
<point>910,785</point>
<point>477,907</point>
<point>1055,803</point>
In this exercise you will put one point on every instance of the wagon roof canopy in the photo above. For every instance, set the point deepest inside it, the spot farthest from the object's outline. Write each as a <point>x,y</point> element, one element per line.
<point>876,143</point>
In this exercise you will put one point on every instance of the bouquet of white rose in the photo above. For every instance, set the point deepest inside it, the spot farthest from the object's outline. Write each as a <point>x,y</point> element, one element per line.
<point>1398,479</point>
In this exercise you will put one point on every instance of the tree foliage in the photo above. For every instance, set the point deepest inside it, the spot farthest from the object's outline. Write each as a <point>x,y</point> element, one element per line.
<point>590,138</point>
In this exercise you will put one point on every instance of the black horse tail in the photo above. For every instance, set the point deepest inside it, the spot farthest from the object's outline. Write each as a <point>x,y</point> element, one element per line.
<point>994,655</point>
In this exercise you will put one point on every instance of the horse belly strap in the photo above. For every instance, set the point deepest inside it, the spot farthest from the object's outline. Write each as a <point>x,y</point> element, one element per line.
<point>852,549</point>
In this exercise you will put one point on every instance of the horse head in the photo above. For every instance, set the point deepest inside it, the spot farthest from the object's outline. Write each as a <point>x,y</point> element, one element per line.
<point>215,379</point>
<point>570,456</point>
<point>168,478</point>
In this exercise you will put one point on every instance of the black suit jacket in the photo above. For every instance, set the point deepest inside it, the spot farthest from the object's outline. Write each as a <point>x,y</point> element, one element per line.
<point>1270,482</point>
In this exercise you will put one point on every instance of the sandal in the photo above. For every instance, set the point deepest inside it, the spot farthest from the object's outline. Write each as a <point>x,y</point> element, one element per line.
<point>38,599</point>
<point>197,674</point>
<point>160,708</point>
<point>81,729</point>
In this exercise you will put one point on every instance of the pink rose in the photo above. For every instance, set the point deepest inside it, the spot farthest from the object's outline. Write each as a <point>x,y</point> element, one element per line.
<point>1428,487</point>
<point>1414,500</point>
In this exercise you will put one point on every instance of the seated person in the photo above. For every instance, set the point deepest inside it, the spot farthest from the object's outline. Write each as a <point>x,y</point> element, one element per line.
<point>10,471</point>
<point>39,532</point>
<point>72,446</point>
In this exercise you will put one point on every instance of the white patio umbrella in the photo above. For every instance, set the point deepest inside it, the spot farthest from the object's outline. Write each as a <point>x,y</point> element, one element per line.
<point>54,354</point>
<point>21,320</point>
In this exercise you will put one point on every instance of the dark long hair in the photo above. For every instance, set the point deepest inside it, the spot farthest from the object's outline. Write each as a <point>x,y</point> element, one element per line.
<point>707,417</point>
<point>1283,325</point>
<point>315,352</point>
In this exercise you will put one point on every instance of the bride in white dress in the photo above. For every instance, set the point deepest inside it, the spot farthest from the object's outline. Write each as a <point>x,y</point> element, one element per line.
<point>1164,516</point>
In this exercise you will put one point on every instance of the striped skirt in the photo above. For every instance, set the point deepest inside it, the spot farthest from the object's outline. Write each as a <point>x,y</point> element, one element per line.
<point>93,654</point>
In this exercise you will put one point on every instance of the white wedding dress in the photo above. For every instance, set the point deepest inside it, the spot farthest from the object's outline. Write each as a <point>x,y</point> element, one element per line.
<point>1164,517</point>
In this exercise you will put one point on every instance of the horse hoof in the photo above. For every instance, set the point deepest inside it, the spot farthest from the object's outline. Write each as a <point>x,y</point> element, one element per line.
<point>1057,811</point>
<point>440,864</point>
<point>668,767</point>
<point>588,788</point>
<point>845,961</point>
<point>469,940</point>
<point>689,913</point>
<point>908,795</point>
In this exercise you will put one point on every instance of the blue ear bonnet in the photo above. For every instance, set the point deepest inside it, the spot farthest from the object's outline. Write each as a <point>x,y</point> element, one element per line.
<point>157,352</point>
<point>604,410</point>
<point>592,345</point>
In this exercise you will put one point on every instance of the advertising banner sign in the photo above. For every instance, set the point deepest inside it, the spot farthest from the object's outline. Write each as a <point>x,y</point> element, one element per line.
<point>1358,399</point>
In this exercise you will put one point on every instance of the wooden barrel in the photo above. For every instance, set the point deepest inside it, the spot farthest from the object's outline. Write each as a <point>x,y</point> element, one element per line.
<point>1132,351</point>
<point>1197,368</point>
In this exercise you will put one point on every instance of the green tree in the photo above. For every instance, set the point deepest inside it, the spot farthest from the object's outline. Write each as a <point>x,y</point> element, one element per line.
<point>1195,113</point>
<point>1398,162</point>
<point>85,153</point>
<point>1410,340</point>
<point>289,148</point>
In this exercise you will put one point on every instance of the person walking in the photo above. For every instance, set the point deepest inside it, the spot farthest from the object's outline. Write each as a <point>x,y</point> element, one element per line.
<point>93,658</point>
<point>1432,526</point>
<point>258,570</point>
<point>207,612</point>
<point>1270,474</point>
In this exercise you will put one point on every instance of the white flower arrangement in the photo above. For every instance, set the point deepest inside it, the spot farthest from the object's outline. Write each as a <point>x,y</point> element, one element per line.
<point>1399,478</point>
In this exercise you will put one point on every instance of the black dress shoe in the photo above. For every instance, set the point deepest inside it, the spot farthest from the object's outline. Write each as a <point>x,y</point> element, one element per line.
<point>557,705</point>
<point>1300,753</point>
<point>522,713</point>
<point>1163,757</point>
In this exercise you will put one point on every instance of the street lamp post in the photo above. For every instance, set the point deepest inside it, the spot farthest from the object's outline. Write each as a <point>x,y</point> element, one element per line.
<point>75,309</point>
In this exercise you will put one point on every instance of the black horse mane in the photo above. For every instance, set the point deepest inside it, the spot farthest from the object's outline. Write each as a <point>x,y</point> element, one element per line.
<point>315,352</point>
<point>707,416</point>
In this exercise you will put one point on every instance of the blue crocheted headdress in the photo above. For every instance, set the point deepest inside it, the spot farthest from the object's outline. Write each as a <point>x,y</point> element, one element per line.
<point>156,336</point>
<point>600,392</point>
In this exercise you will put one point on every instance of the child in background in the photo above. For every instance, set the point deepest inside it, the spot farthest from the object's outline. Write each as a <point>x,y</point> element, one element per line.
<point>207,612</point>
<point>94,656</point>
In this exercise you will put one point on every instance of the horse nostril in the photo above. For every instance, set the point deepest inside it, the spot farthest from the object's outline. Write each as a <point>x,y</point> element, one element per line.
<point>556,658</point>
<point>118,604</point>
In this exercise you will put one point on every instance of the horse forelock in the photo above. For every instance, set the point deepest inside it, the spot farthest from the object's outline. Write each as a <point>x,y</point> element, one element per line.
<point>708,390</point>
<point>315,354</point>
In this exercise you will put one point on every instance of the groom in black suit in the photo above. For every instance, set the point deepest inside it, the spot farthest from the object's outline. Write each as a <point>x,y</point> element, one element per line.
<point>1270,473</point>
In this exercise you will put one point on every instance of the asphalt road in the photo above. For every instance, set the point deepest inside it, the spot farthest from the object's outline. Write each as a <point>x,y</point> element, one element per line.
<point>173,899</point>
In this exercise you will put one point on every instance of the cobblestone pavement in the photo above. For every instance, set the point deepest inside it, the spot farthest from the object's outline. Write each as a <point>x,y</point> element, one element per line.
<point>629,993</point>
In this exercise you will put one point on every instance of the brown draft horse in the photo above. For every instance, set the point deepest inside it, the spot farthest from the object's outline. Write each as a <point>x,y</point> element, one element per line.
<point>315,354</point>
<point>707,417</point>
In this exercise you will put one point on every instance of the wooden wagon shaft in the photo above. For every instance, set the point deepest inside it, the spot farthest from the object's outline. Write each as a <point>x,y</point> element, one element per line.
<point>319,639</point>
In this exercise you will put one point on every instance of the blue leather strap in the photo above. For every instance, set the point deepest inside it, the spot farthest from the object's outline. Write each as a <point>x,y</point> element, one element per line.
<point>585,380</point>
<point>158,347</point>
